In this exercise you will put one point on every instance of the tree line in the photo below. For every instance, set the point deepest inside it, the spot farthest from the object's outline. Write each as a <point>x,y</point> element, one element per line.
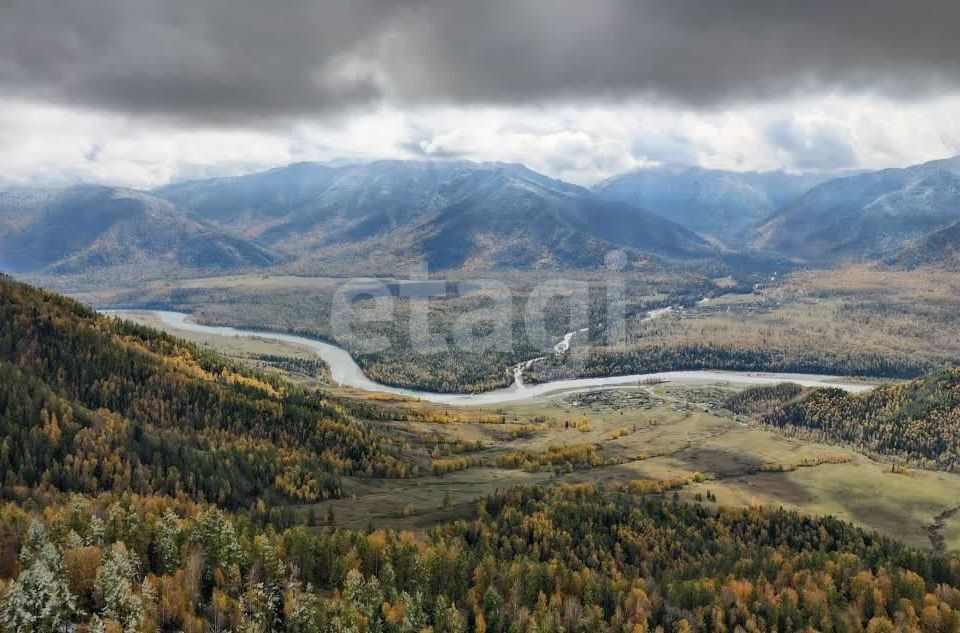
<point>917,421</point>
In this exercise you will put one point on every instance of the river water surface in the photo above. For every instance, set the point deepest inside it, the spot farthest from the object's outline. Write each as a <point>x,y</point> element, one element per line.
<point>345,371</point>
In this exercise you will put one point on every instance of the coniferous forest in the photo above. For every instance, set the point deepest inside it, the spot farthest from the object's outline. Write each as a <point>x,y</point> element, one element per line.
<point>89,403</point>
<point>142,475</point>
<point>567,559</point>
<point>917,421</point>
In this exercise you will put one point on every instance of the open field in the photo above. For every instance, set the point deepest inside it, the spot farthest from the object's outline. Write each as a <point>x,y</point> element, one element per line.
<point>664,443</point>
<point>864,492</point>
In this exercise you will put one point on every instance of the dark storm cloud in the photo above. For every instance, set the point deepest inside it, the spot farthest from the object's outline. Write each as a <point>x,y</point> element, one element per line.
<point>228,60</point>
<point>210,60</point>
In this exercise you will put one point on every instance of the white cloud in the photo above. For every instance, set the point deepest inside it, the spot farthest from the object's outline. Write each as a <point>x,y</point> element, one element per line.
<point>583,143</point>
<point>42,145</point>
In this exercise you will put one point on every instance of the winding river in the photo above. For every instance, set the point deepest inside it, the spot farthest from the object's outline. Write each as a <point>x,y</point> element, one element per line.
<point>347,373</point>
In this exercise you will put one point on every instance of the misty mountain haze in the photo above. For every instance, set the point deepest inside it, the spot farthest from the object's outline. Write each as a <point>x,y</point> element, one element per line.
<point>89,228</point>
<point>716,202</point>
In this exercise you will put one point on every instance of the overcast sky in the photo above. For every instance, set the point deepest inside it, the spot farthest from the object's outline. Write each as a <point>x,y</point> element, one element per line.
<point>141,92</point>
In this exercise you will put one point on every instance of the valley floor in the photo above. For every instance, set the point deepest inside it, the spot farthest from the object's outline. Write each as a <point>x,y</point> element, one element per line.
<point>856,321</point>
<point>210,490</point>
<point>681,436</point>
<point>667,438</point>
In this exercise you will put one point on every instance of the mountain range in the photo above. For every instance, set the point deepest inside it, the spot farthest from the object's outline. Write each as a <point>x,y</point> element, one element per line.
<point>311,217</point>
<point>385,216</point>
<point>83,229</point>
<point>721,203</point>
<point>867,216</point>
<point>450,214</point>
<point>940,249</point>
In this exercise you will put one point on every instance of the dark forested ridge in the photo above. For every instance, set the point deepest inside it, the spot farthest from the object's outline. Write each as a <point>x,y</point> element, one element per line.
<point>917,421</point>
<point>935,250</point>
<point>90,403</point>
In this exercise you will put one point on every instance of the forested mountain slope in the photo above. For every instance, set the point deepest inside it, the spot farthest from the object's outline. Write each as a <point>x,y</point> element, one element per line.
<point>252,201</point>
<point>917,421</point>
<point>866,216</point>
<point>90,403</point>
<point>938,250</point>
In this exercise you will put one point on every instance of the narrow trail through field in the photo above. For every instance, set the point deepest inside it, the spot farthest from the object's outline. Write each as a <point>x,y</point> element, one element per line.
<point>935,529</point>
